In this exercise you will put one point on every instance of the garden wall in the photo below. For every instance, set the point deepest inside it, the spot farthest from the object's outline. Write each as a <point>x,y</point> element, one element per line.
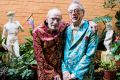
<point>39,8</point>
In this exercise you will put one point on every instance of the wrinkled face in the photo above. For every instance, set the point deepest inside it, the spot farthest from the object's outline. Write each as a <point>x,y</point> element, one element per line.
<point>75,13</point>
<point>53,20</point>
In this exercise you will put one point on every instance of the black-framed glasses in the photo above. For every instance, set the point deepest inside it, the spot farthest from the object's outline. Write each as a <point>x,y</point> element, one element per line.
<point>76,11</point>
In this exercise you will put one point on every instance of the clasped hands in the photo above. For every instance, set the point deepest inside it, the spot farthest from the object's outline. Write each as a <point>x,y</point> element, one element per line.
<point>68,76</point>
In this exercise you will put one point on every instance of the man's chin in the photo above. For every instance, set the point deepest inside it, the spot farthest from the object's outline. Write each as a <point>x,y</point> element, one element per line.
<point>53,28</point>
<point>74,21</point>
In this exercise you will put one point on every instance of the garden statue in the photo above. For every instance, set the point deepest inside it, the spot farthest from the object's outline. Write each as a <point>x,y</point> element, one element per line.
<point>10,35</point>
<point>108,37</point>
<point>106,55</point>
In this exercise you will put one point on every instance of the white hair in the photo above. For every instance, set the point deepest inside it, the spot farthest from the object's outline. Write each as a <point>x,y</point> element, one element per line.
<point>76,3</point>
<point>54,11</point>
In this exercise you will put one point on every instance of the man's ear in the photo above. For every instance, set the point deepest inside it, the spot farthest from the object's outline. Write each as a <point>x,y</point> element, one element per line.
<point>83,13</point>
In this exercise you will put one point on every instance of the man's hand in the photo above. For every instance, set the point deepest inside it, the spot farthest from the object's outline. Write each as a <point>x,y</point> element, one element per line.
<point>66,76</point>
<point>93,26</point>
<point>72,76</point>
<point>57,77</point>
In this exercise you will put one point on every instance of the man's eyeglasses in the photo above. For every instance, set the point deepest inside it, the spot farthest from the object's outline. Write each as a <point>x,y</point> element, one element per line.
<point>76,11</point>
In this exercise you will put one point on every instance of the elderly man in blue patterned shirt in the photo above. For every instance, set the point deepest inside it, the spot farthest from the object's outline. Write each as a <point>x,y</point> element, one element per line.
<point>80,46</point>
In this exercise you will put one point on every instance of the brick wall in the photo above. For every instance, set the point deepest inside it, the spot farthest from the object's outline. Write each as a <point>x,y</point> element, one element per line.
<point>39,8</point>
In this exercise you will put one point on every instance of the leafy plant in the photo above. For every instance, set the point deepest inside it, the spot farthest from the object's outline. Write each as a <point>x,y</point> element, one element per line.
<point>116,48</point>
<point>111,3</point>
<point>117,16</point>
<point>0,36</point>
<point>20,67</point>
<point>117,57</point>
<point>108,65</point>
<point>118,75</point>
<point>103,19</point>
<point>0,39</point>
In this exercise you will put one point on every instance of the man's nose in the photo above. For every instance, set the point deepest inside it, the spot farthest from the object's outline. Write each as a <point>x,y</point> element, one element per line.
<point>55,21</point>
<point>73,12</point>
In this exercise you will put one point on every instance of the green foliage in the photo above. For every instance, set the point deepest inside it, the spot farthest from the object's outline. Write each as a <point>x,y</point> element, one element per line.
<point>111,3</point>
<point>28,52</point>
<point>20,67</point>
<point>103,19</point>
<point>115,47</point>
<point>116,50</point>
<point>108,65</point>
<point>117,23</point>
<point>27,46</point>
<point>117,16</point>
<point>117,57</point>
<point>1,38</point>
<point>118,75</point>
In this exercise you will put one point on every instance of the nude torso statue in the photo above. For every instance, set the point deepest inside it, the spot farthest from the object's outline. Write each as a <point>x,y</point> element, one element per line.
<point>10,32</point>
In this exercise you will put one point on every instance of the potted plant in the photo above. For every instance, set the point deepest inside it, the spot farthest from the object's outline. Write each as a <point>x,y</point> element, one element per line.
<point>116,50</point>
<point>109,70</point>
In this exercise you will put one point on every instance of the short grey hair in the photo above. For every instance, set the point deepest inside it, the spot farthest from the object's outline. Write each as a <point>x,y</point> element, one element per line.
<point>77,4</point>
<point>55,11</point>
